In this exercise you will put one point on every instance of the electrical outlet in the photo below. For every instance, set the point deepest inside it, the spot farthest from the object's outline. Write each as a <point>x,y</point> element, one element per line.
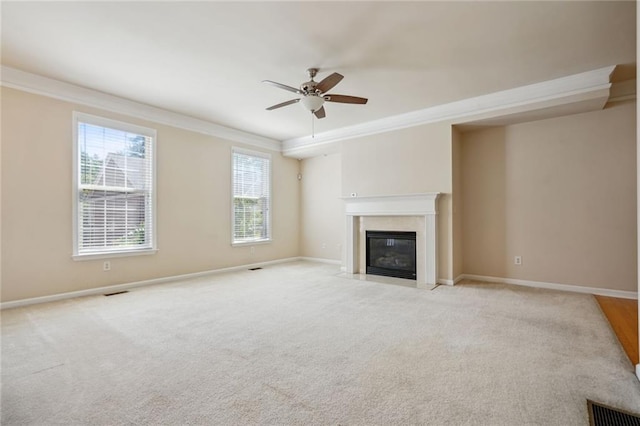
<point>517,260</point>
<point>324,245</point>
<point>253,250</point>
<point>106,266</point>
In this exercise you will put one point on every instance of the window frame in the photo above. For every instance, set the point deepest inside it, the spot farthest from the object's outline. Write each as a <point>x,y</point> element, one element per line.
<point>80,117</point>
<point>269,238</point>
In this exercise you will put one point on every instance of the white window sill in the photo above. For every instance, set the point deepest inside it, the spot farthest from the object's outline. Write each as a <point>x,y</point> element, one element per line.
<point>250,243</point>
<point>110,254</point>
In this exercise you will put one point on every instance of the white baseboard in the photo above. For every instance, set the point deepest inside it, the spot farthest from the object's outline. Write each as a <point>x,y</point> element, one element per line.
<point>450,282</point>
<point>127,286</point>
<point>321,260</point>
<point>554,286</point>
<point>121,287</point>
<point>638,371</point>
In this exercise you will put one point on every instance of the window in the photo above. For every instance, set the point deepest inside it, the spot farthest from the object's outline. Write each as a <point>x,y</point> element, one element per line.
<point>251,220</point>
<point>114,188</point>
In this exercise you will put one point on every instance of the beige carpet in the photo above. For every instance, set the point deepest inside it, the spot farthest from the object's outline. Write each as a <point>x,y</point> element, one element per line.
<point>297,344</point>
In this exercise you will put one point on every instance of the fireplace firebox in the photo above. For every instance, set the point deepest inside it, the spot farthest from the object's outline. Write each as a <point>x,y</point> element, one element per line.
<point>391,254</point>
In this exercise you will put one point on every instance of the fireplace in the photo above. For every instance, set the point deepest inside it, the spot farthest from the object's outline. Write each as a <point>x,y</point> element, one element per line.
<point>407,213</point>
<point>391,253</point>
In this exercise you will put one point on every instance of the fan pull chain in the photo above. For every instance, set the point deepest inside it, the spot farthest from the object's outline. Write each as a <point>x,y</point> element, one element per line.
<point>313,133</point>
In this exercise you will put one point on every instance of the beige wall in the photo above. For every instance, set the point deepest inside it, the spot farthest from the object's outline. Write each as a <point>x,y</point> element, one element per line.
<point>561,193</point>
<point>407,161</point>
<point>322,210</point>
<point>193,196</point>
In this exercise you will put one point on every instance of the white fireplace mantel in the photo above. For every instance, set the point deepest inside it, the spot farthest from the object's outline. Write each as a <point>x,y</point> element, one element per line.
<point>424,205</point>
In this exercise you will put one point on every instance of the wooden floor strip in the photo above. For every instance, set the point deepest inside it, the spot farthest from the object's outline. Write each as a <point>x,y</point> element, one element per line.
<point>623,317</point>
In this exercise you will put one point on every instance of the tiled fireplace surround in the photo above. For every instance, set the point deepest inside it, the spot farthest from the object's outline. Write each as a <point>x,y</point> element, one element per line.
<point>415,213</point>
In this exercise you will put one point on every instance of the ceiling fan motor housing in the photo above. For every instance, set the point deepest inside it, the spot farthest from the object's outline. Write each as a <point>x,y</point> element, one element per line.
<point>309,87</point>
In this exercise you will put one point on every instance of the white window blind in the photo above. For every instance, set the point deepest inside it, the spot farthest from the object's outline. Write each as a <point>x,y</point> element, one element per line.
<point>114,183</point>
<point>251,196</point>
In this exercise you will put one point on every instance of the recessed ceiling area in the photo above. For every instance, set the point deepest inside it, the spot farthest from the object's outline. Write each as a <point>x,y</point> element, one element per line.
<point>207,59</point>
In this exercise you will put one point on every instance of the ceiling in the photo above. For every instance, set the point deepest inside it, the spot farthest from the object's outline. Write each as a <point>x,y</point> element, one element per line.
<point>207,59</point>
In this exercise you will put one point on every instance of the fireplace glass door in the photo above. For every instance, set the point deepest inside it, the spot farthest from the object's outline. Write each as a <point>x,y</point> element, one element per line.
<point>391,254</point>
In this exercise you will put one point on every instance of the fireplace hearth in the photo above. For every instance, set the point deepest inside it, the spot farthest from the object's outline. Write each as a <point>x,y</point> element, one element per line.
<point>391,254</point>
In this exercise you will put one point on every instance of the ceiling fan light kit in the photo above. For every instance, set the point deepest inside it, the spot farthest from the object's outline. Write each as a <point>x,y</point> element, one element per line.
<point>314,94</point>
<point>312,102</point>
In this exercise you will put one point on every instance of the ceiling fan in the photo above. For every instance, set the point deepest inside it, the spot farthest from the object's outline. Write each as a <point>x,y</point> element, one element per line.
<point>314,94</point>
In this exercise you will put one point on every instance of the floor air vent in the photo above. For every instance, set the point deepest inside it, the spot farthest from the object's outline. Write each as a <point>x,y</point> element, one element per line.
<point>255,269</point>
<point>117,292</point>
<point>601,415</point>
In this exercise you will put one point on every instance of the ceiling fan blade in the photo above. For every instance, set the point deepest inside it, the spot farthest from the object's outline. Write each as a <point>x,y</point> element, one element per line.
<point>283,86</point>
<point>292,101</point>
<point>320,113</point>
<point>329,82</point>
<point>345,99</point>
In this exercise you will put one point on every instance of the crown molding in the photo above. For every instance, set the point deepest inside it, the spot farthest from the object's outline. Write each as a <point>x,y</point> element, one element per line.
<point>592,86</point>
<point>623,91</point>
<point>589,89</point>
<point>32,83</point>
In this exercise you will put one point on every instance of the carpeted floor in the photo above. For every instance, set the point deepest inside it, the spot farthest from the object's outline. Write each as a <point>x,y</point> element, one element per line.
<point>298,344</point>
